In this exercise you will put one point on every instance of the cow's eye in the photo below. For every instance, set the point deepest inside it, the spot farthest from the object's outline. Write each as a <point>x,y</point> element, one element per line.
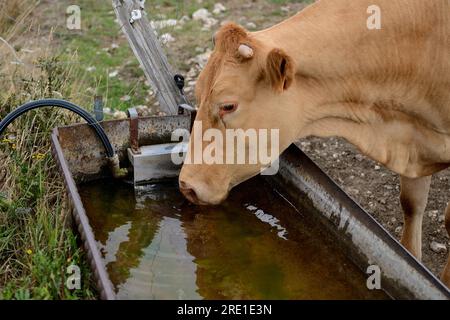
<point>227,108</point>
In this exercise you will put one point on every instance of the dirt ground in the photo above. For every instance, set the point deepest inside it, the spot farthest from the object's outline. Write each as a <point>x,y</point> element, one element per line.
<point>377,190</point>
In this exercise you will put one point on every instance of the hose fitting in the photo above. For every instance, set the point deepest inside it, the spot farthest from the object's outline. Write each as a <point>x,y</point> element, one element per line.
<point>114,166</point>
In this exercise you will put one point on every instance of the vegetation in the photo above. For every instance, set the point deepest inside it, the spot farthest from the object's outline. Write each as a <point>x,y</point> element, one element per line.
<point>35,246</point>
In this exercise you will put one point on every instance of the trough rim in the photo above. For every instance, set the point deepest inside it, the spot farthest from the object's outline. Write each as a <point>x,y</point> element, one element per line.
<point>101,276</point>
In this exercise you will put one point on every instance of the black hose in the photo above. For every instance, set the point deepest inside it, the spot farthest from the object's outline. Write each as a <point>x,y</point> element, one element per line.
<point>65,105</point>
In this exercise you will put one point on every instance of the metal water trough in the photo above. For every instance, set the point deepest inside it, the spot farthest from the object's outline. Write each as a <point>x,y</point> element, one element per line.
<point>81,158</point>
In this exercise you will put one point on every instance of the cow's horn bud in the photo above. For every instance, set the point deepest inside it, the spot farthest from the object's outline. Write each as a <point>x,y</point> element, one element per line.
<point>245,51</point>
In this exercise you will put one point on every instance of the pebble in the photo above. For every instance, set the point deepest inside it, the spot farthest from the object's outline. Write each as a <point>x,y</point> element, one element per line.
<point>143,110</point>
<point>398,230</point>
<point>200,14</point>
<point>219,8</point>
<point>205,16</point>
<point>166,38</point>
<point>250,25</point>
<point>202,59</point>
<point>438,247</point>
<point>209,23</point>
<point>163,23</point>
<point>184,19</point>
<point>305,144</point>
<point>113,74</point>
<point>120,115</point>
<point>433,214</point>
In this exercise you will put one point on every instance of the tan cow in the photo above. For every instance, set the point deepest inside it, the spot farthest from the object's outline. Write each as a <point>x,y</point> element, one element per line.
<point>326,72</point>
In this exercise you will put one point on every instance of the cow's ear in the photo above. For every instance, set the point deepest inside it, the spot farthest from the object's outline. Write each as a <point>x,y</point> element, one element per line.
<point>280,70</point>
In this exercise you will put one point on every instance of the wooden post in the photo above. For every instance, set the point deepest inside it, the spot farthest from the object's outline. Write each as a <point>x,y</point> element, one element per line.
<point>146,47</point>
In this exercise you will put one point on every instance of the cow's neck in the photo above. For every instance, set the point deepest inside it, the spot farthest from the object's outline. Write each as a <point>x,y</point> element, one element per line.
<point>339,96</point>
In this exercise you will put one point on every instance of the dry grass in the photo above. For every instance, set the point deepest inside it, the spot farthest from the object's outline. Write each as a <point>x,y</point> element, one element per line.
<point>13,14</point>
<point>35,245</point>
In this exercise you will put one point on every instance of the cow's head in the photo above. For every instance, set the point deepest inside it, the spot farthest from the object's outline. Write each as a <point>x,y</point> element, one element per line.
<point>246,84</point>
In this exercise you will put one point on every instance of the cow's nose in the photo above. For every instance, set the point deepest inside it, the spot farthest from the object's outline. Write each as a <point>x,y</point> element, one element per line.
<point>189,192</point>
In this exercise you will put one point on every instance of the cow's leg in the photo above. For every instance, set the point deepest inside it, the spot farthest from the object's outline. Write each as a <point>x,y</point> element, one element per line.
<point>413,198</point>
<point>446,272</point>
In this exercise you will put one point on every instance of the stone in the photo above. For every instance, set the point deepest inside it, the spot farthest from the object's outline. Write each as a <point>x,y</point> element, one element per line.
<point>184,19</point>
<point>120,115</point>
<point>204,16</point>
<point>201,14</point>
<point>161,24</point>
<point>166,38</point>
<point>202,59</point>
<point>219,8</point>
<point>433,214</point>
<point>113,74</point>
<point>438,247</point>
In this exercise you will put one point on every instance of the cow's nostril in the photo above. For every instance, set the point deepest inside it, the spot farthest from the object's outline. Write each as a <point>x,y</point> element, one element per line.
<point>183,185</point>
<point>188,192</point>
<point>190,195</point>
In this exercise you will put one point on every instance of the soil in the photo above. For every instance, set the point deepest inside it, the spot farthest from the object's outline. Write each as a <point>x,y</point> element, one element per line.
<point>377,190</point>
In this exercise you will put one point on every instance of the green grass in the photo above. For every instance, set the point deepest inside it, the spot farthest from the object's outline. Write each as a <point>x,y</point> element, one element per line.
<point>36,244</point>
<point>99,32</point>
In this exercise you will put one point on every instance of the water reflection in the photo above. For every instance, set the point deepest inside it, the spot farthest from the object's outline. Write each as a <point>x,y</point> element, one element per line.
<point>157,246</point>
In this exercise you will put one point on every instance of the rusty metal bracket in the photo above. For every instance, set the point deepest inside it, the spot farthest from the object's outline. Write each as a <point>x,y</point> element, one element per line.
<point>134,130</point>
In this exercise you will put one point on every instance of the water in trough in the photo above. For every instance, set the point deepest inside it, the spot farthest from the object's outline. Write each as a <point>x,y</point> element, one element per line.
<point>156,245</point>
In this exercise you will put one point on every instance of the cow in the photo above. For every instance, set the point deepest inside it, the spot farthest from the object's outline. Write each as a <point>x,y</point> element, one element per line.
<point>330,70</point>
